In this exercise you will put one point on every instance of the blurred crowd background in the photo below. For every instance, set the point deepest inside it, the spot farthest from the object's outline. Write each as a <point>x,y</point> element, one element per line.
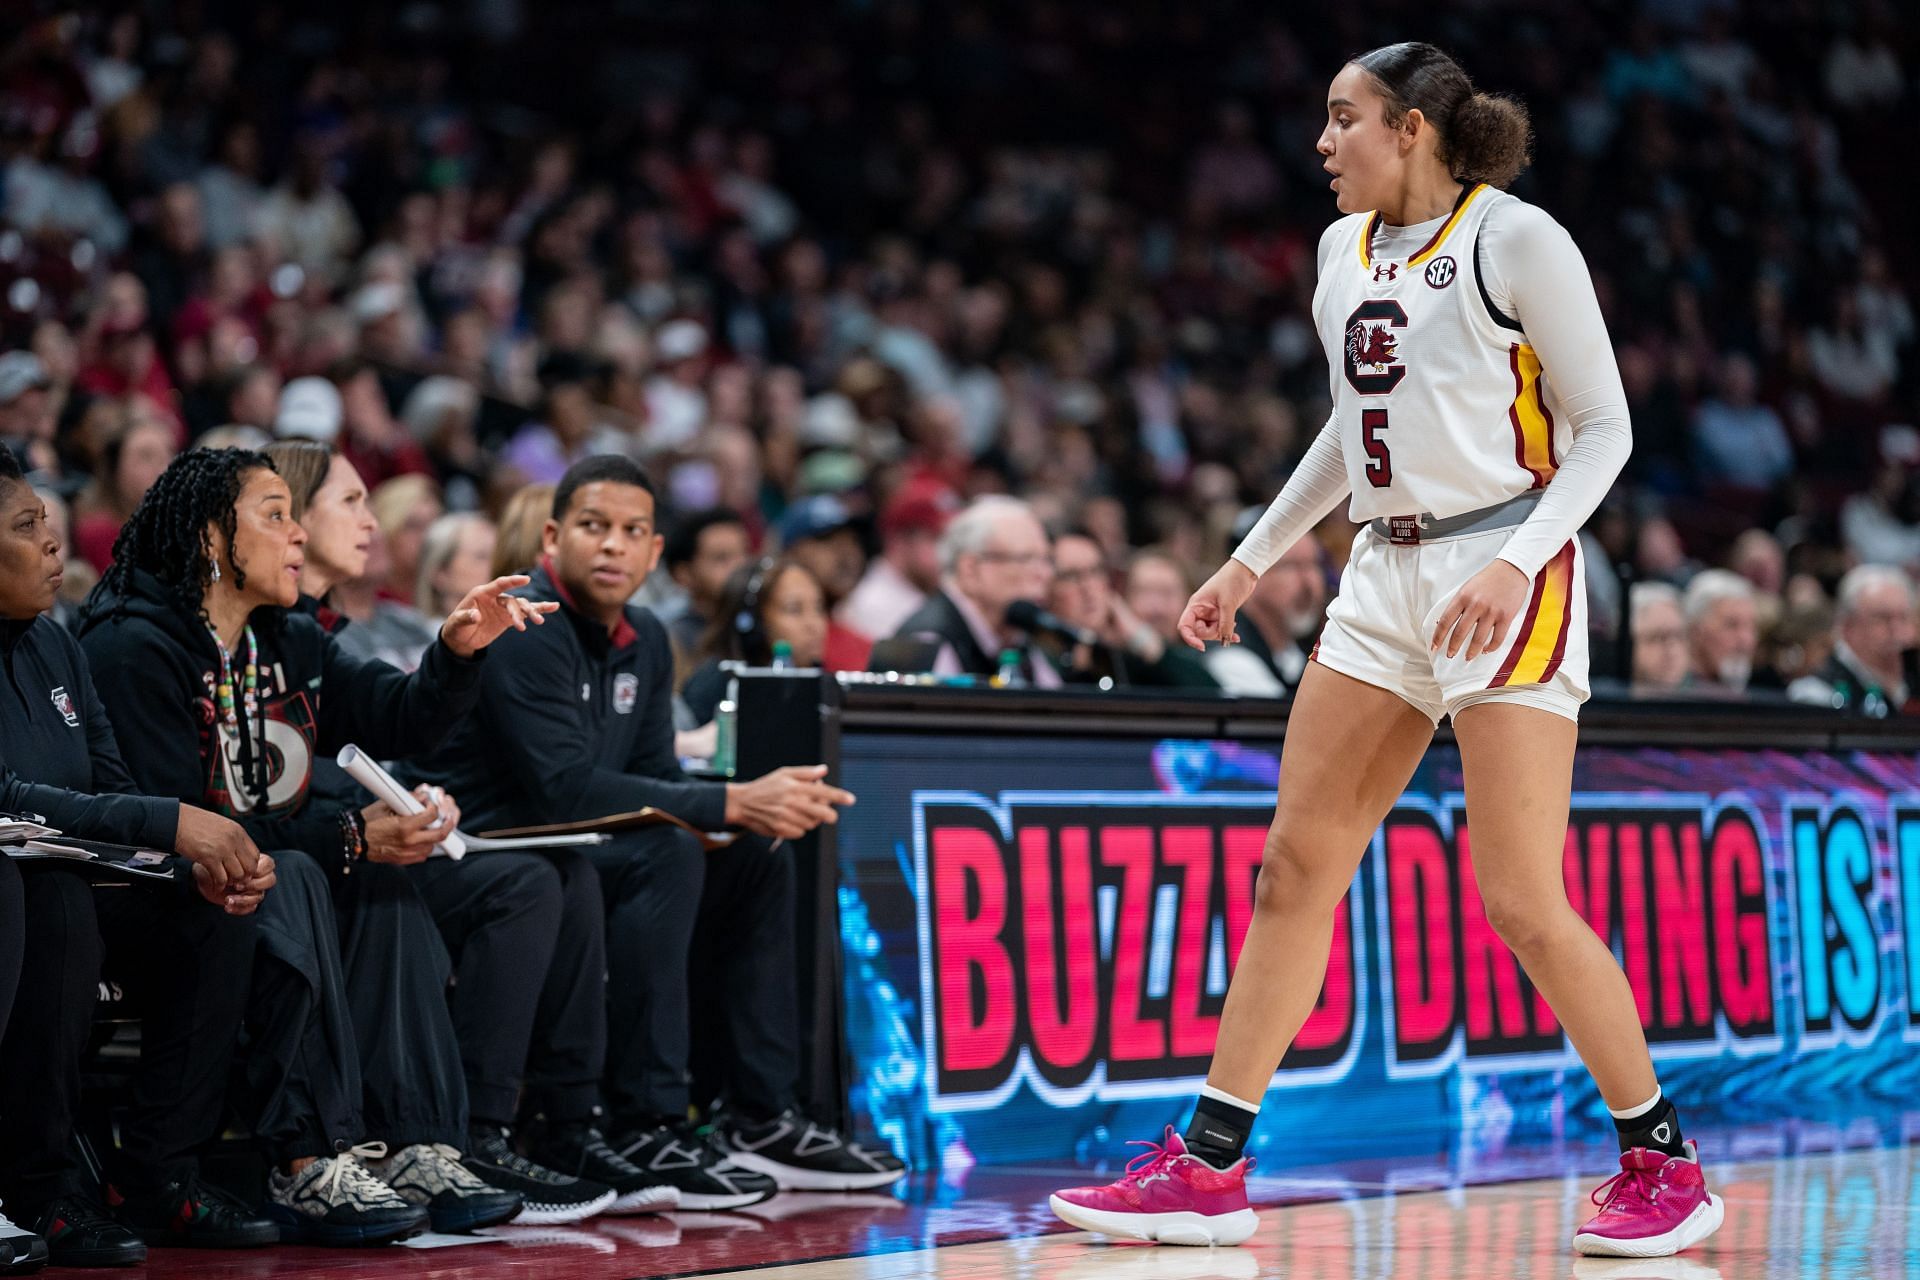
<point>833,271</point>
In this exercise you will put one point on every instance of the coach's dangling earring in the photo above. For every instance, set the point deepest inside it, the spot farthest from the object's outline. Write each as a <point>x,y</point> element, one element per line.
<point>216,571</point>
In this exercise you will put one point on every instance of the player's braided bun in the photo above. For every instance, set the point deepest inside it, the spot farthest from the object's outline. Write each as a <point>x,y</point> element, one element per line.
<point>1483,137</point>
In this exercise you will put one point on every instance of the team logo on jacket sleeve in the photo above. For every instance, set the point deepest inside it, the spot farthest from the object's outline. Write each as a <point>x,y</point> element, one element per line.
<point>626,692</point>
<point>63,703</point>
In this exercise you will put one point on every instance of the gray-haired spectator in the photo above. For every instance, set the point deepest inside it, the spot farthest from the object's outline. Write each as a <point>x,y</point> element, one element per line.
<point>455,557</point>
<point>1659,629</point>
<point>1874,633</point>
<point>1723,631</point>
<point>993,553</point>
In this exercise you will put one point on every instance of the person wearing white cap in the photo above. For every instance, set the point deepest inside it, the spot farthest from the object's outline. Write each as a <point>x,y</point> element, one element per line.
<point>676,402</point>
<point>310,409</point>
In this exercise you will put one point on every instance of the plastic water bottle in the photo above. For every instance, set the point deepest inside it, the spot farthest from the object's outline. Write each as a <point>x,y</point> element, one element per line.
<point>1009,676</point>
<point>782,656</point>
<point>726,736</point>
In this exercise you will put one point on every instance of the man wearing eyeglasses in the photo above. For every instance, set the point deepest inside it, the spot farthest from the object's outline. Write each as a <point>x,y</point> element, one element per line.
<point>1874,634</point>
<point>993,553</point>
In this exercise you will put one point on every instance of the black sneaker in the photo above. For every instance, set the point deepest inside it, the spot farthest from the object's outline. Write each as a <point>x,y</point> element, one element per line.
<point>802,1154</point>
<point>191,1214</point>
<point>457,1201</point>
<point>338,1203</point>
<point>578,1149</point>
<point>78,1232</point>
<point>550,1197</point>
<point>683,1157</point>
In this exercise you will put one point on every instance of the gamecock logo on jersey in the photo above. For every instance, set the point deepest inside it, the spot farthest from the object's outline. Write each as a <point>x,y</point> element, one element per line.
<point>1373,364</point>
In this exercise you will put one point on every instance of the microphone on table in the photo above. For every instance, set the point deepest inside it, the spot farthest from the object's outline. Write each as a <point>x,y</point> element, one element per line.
<point>1029,616</point>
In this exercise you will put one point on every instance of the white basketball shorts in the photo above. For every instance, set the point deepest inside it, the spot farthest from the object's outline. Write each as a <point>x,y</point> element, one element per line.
<point>1391,597</point>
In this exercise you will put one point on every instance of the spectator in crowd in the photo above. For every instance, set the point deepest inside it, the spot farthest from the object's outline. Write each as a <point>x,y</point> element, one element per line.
<point>455,557</point>
<point>1128,651</point>
<point>569,427</point>
<point>131,460</point>
<point>536,752</point>
<point>775,601</point>
<point>1279,624</point>
<point>27,421</point>
<point>1757,556</point>
<point>1659,631</point>
<point>1157,588</point>
<point>907,570</point>
<point>819,532</point>
<point>517,542</point>
<point>202,598</point>
<point>63,936</point>
<point>405,508</point>
<point>993,553</point>
<point>1740,441</point>
<point>703,552</point>
<point>1874,638</point>
<point>1723,632</point>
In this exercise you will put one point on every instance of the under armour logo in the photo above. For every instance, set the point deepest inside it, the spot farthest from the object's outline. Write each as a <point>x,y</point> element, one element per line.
<point>1663,1132</point>
<point>1385,271</point>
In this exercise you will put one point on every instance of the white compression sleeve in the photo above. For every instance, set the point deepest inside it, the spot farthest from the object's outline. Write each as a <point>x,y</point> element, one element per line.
<point>1535,273</point>
<point>1315,488</point>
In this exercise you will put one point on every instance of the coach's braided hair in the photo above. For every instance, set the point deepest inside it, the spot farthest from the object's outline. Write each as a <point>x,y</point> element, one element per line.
<point>167,537</point>
<point>1483,137</point>
<point>167,533</point>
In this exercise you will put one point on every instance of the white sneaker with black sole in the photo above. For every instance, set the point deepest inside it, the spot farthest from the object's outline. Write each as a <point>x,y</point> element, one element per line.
<point>802,1154</point>
<point>685,1158</point>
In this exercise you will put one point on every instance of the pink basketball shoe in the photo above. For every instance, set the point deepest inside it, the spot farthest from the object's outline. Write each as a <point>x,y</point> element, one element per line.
<point>1166,1196</point>
<point>1656,1205</point>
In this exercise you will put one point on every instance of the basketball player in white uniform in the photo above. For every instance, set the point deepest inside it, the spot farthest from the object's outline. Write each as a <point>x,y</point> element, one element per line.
<point>1478,420</point>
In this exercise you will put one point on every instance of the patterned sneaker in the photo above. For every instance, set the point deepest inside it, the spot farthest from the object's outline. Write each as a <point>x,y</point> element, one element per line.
<point>456,1200</point>
<point>578,1149</point>
<point>336,1202</point>
<point>1166,1196</point>
<point>551,1198</point>
<point>804,1155</point>
<point>685,1158</point>
<point>1655,1206</point>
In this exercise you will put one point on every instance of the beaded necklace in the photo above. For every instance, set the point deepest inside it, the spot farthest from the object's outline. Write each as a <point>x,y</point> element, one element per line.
<point>249,683</point>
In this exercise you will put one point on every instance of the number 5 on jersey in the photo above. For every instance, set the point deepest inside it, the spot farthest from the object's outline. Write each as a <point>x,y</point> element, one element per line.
<point>1379,457</point>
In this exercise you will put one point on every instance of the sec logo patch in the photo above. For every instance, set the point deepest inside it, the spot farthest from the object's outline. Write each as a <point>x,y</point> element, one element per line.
<point>1440,272</point>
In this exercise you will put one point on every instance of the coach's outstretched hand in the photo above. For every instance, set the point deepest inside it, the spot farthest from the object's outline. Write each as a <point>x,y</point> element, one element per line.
<point>485,613</point>
<point>1209,614</point>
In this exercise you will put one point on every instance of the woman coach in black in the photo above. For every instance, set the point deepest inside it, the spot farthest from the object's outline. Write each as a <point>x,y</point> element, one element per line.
<point>62,762</point>
<point>226,698</point>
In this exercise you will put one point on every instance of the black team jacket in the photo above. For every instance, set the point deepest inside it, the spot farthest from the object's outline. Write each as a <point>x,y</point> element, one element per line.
<point>58,755</point>
<point>573,723</point>
<point>156,665</point>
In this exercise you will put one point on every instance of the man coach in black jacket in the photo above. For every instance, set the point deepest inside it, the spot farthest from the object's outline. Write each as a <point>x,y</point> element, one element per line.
<point>575,721</point>
<point>185,958</point>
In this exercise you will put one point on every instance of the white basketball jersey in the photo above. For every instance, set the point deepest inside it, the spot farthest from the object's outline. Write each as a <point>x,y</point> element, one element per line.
<point>1440,401</point>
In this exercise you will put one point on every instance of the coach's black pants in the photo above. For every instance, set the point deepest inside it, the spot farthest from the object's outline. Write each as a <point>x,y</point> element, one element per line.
<point>13,932</point>
<point>184,965</point>
<point>349,1035</point>
<point>674,911</point>
<point>528,937</point>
